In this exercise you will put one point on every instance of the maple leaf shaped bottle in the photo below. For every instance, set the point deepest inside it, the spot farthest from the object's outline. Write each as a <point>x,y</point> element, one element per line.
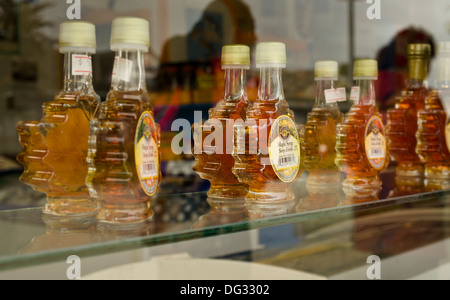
<point>267,147</point>
<point>432,145</point>
<point>124,156</point>
<point>55,148</point>
<point>402,120</point>
<point>214,161</point>
<point>319,146</point>
<point>362,151</point>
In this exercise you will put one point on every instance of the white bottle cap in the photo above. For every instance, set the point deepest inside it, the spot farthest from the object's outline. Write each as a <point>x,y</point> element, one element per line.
<point>271,55</point>
<point>365,69</point>
<point>327,69</point>
<point>78,36</point>
<point>443,63</point>
<point>130,33</point>
<point>236,55</point>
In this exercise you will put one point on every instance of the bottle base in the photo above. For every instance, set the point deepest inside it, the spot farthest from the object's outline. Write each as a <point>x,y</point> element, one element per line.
<point>125,214</point>
<point>78,208</point>
<point>226,205</point>
<point>272,202</point>
<point>360,190</point>
<point>224,193</point>
<point>324,179</point>
<point>262,211</point>
<point>410,170</point>
<point>441,172</point>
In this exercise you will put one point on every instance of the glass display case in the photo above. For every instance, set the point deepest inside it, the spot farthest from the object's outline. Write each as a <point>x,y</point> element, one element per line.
<point>326,232</point>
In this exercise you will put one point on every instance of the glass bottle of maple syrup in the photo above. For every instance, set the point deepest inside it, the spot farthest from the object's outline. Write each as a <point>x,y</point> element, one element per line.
<point>124,156</point>
<point>319,146</point>
<point>431,135</point>
<point>55,148</point>
<point>214,160</point>
<point>361,146</point>
<point>267,147</point>
<point>402,121</point>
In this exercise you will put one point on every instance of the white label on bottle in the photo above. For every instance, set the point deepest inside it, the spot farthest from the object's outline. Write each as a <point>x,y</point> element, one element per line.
<point>81,65</point>
<point>356,93</point>
<point>341,95</point>
<point>122,69</point>
<point>330,96</point>
<point>335,95</point>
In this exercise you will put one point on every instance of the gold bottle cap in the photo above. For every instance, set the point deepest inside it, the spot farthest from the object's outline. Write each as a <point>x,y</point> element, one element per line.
<point>271,54</point>
<point>77,35</point>
<point>327,69</point>
<point>366,68</point>
<point>130,33</point>
<point>236,55</point>
<point>420,50</point>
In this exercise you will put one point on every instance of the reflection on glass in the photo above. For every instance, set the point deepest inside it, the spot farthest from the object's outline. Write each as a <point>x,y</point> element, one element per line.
<point>63,233</point>
<point>407,185</point>
<point>329,194</point>
<point>268,210</point>
<point>222,213</point>
<point>389,234</point>
<point>109,232</point>
<point>437,184</point>
<point>353,197</point>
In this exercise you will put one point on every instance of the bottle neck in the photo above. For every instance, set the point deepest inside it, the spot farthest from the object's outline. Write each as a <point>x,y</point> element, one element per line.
<point>271,84</point>
<point>235,84</point>
<point>321,86</point>
<point>367,92</point>
<point>77,72</point>
<point>129,71</point>
<point>417,72</point>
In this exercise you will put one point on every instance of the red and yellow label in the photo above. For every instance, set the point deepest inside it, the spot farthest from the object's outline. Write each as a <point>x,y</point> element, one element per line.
<point>375,142</point>
<point>147,153</point>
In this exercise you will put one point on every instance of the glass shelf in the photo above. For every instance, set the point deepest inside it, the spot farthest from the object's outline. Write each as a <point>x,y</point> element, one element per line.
<point>29,238</point>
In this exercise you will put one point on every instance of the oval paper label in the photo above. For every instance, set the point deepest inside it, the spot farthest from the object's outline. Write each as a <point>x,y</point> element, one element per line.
<point>375,140</point>
<point>284,149</point>
<point>147,153</point>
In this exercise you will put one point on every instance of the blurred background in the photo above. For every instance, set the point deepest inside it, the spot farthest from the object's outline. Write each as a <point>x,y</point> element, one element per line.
<point>183,65</point>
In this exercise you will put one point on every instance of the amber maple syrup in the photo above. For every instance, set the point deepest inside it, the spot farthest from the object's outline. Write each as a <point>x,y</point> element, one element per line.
<point>124,157</point>
<point>214,161</point>
<point>432,146</point>
<point>402,121</point>
<point>56,147</point>
<point>267,148</point>
<point>319,145</point>
<point>361,146</point>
